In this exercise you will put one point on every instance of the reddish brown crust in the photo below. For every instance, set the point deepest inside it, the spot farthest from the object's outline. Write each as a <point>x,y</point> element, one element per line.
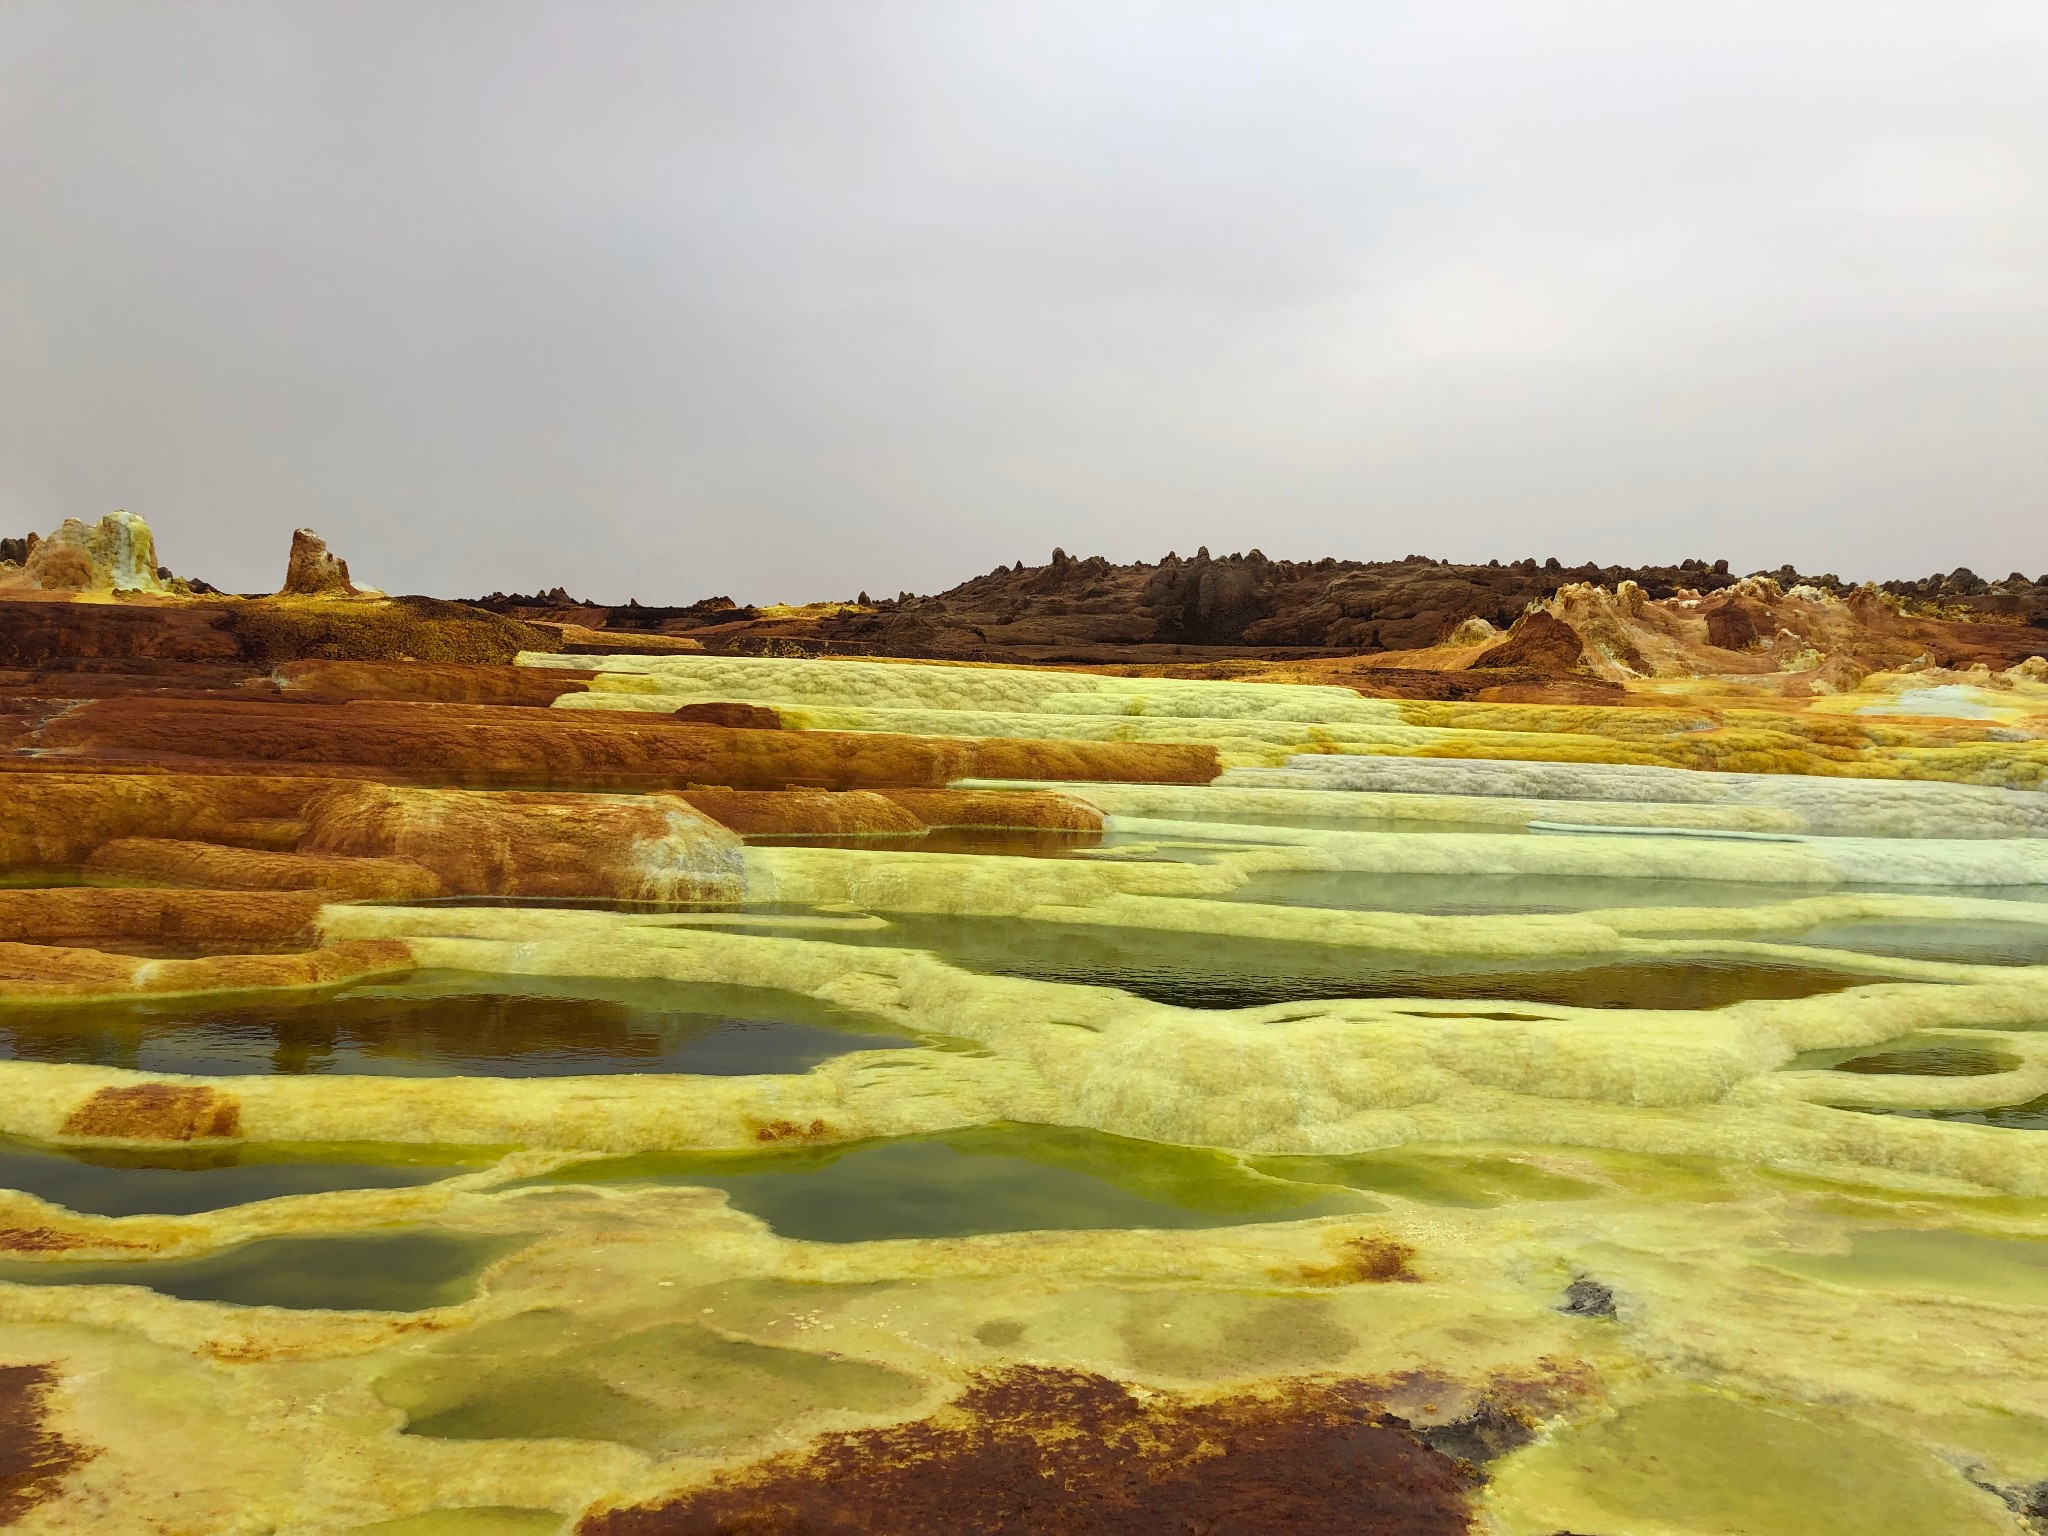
<point>95,917</point>
<point>754,717</point>
<point>1042,1452</point>
<point>805,812</point>
<point>157,1112</point>
<point>49,973</point>
<point>536,845</point>
<point>210,866</point>
<point>479,747</point>
<point>55,819</point>
<point>1031,809</point>
<point>428,682</point>
<point>34,1459</point>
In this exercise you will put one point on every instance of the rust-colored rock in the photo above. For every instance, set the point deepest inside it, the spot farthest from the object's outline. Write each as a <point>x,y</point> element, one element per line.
<point>34,1459</point>
<point>480,747</point>
<point>428,682</point>
<point>889,812</point>
<point>1042,1452</point>
<point>157,1112</point>
<point>41,634</point>
<point>997,808</point>
<point>1732,624</point>
<point>805,812</point>
<point>638,848</point>
<point>50,973</point>
<point>1538,642</point>
<point>55,820</point>
<point>100,917</point>
<point>278,629</point>
<point>244,869</point>
<point>314,571</point>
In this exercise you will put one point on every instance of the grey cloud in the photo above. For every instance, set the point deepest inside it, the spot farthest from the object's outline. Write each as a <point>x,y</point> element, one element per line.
<point>788,300</point>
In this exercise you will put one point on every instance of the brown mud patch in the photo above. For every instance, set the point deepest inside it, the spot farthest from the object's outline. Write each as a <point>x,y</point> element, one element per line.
<point>156,1112</point>
<point>1035,1451</point>
<point>1363,1261</point>
<point>34,1459</point>
<point>750,717</point>
<point>791,1130</point>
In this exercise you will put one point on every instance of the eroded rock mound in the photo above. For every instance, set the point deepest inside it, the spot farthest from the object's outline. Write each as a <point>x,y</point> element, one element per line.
<point>313,570</point>
<point>1539,642</point>
<point>116,554</point>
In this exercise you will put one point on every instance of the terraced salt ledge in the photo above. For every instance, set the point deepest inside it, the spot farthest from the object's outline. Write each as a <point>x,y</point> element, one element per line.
<point>1212,1105</point>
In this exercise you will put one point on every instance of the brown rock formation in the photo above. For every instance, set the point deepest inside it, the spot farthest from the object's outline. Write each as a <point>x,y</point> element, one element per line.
<point>482,747</point>
<point>242,869</point>
<point>805,812</point>
<point>43,972</point>
<point>889,812</point>
<point>151,921</point>
<point>1538,642</point>
<point>116,554</point>
<point>427,682</point>
<point>642,848</point>
<point>56,821</point>
<point>1031,809</point>
<point>751,717</point>
<point>313,571</point>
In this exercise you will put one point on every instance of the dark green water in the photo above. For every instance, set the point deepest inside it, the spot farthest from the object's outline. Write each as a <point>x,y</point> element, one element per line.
<point>1968,943</point>
<point>1362,891</point>
<point>182,1180</point>
<point>1910,1058</point>
<point>1215,971</point>
<point>1486,894</point>
<point>454,1025</point>
<point>2030,1116</point>
<point>1008,1178</point>
<point>406,1271</point>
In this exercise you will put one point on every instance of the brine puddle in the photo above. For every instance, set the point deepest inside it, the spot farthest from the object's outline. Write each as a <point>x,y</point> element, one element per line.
<point>1216,971</point>
<point>454,1024</point>
<point>401,1271</point>
<point>184,1180</point>
<point>1003,1178</point>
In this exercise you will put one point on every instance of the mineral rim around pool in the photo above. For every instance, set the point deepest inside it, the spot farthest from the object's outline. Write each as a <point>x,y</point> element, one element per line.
<point>683,1093</point>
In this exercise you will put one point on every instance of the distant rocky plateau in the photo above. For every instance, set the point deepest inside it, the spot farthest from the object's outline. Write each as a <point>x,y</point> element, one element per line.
<point>1526,630</point>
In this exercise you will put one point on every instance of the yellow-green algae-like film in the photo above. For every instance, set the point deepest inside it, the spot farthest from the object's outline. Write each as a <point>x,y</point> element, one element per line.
<point>1470,1125</point>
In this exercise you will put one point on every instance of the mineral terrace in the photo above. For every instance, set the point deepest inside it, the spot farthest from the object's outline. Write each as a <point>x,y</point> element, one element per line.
<point>1223,1046</point>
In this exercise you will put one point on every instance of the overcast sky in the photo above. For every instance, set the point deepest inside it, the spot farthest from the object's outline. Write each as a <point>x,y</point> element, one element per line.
<point>786,300</point>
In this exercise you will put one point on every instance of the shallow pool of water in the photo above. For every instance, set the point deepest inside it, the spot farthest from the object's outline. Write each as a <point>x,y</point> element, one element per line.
<point>1218,971</point>
<point>1976,942</point>
<point>1360,891</point>
<point>405,1271</point>
<point>2030,1116</point>
<point>1006,1178</point>
<point>181,1180</point>
<point>1941,1261</point>
<point>450,1024</point>
<point>1911,1056</point>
